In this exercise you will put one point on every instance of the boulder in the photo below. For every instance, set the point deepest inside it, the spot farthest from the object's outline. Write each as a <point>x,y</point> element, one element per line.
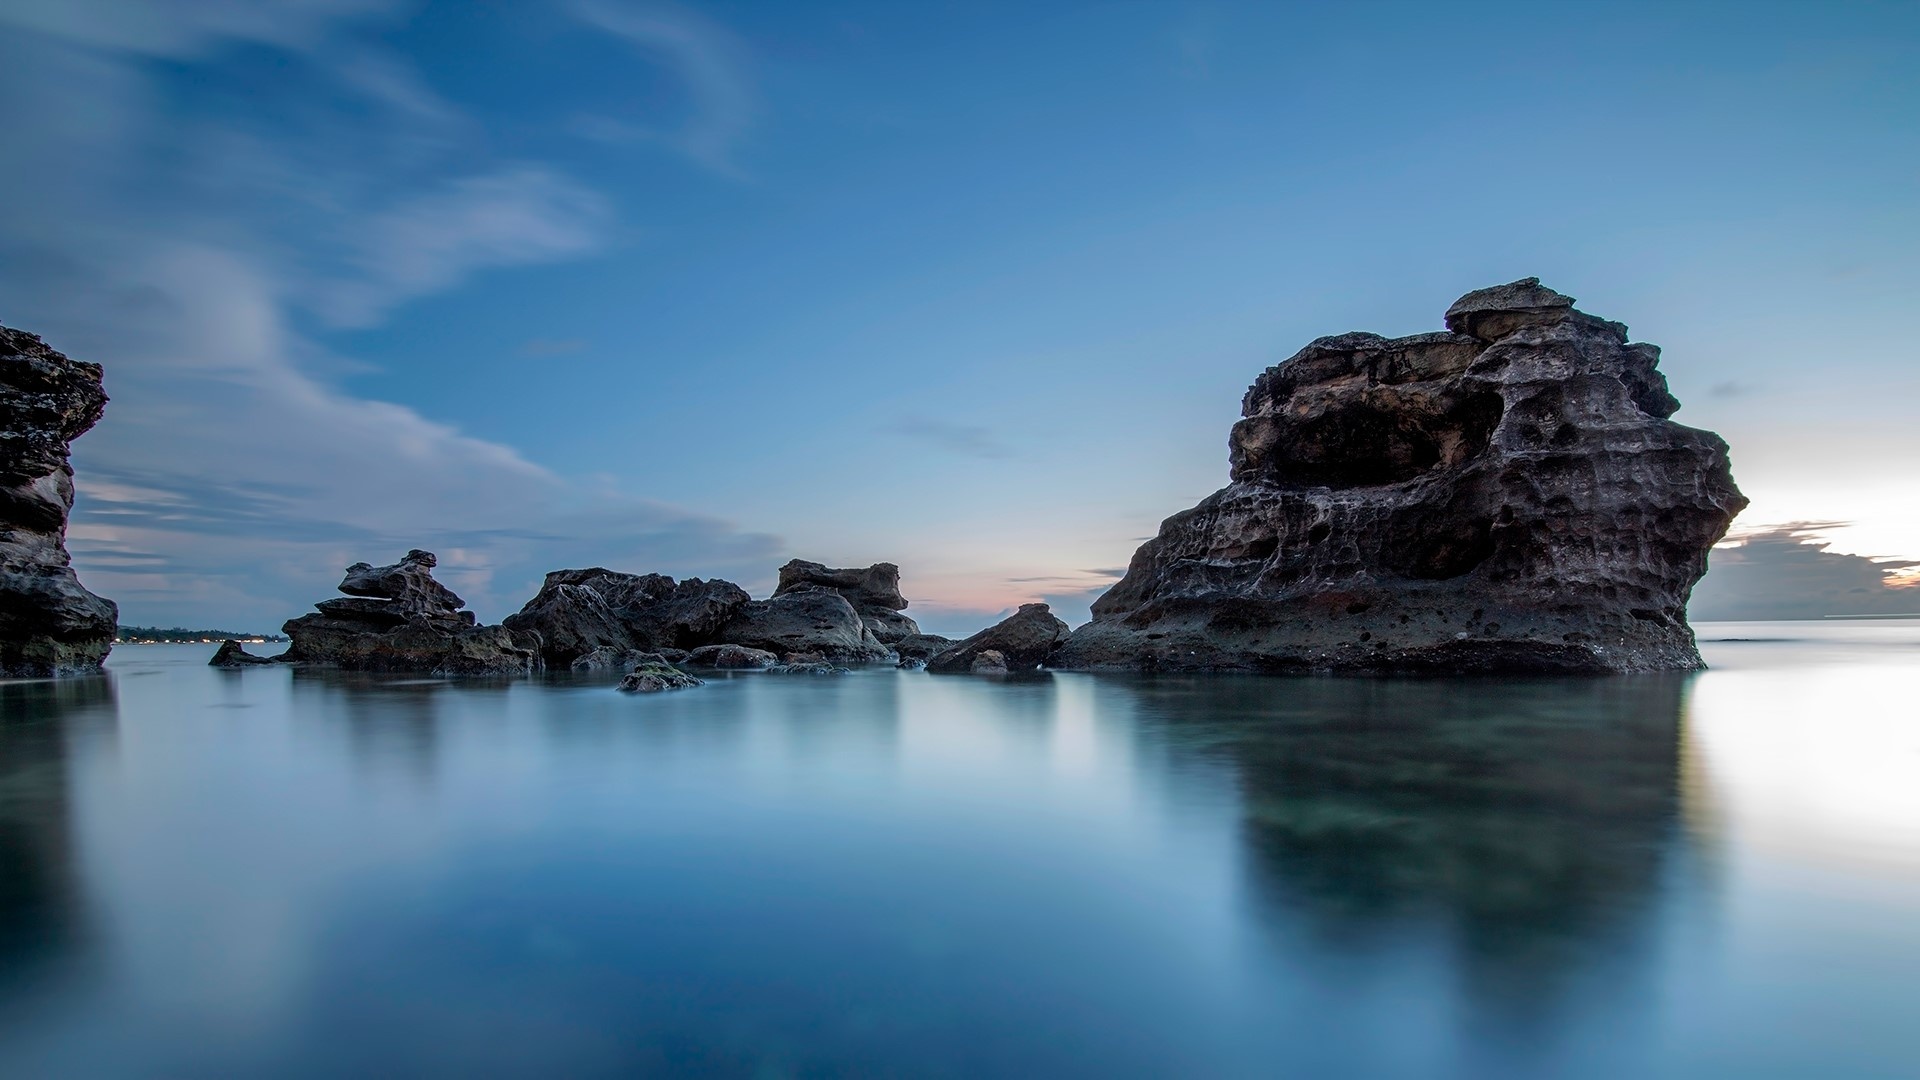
<point>805,620</point>
<point>420,628</point>
<point>874,592</point>
<point>921,647</point>
<point>1509,495</point>
<point>579,610</point>
<point>731,656</point>
<point>49,624</point>
<point>652,677</point>
<point>1023,641</point>
<point>232,654</point>
<point>989,662</point>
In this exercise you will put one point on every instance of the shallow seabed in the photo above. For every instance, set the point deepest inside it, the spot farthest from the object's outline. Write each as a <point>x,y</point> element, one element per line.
<point>296,873</point>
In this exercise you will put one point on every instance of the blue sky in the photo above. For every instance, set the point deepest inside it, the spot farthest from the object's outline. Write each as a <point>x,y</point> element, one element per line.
<point>971,288</point>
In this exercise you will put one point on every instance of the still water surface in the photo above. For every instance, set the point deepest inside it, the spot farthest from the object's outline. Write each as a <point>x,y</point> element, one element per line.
<point>293,873</point>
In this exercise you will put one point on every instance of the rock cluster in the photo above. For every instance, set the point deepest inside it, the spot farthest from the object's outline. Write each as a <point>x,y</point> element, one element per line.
<point>398,618</point>
<point>577,611</point>
<point>1021,642</point>
<point>1509,495</point>
<point>49,624</point>
<point>874,593</point>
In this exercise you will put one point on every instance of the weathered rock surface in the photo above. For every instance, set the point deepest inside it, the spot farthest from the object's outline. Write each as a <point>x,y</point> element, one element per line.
<point>402,620</point>
<point>579,610</point>
<point>1024,640</point>
<point>1506,496</point>
<point>989,662</point>
<point>653,677</point>
<point>49,624</point>
<point>874,592</point>
<point>915,650</point>
<point>807,619</point>
<point>604,659</point>
<point>731,656</point>
<point>232,654</point>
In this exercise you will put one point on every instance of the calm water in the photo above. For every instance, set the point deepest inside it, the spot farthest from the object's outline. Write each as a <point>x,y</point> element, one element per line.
<point>210,873</point>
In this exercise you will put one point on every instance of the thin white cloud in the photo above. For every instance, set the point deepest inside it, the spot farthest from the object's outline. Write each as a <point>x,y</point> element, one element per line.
<point>708,60</point>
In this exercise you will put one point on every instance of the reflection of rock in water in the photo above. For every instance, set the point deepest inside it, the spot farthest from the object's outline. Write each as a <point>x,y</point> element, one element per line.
<point>39,891</point>
<point>1529,817</point>
<point>388,719</point>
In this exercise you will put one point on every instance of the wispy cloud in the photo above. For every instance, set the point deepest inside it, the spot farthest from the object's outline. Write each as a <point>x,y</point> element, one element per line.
<point>1789,572</point>
<point>231,480</point>
<point>967,440</point>
<point>720,97</point>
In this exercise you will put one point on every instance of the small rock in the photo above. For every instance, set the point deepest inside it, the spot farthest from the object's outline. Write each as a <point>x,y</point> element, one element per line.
<point>989,662</point>
<point>652,678</point>
<point>737,657</point>
<point>231,654</point>
<point>1024,641</point>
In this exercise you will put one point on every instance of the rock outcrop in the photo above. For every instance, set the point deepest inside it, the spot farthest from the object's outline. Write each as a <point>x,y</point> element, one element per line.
<point>1022,641</point>
<point>806,619</point>
<point>398,618</point>
<point>736,657</point>
<point>915,650</point>
<point>577,611</point>
<point>49,624</point>
<point>1507,496</point>
<point>654,676</point>
<point>232,654</point>
<point>874,592</point>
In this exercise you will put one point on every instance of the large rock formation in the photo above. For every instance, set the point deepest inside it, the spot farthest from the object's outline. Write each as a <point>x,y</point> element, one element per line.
<point>1022,641</point>
<point>874,592</point>
<point>49,625</point>
<point>1505,496</point>
<point>807,620</point>
<point>577,611</point>
<point>398,618</point>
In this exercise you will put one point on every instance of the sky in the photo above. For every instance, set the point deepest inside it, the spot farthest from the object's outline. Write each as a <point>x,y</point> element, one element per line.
<point>972,288</point>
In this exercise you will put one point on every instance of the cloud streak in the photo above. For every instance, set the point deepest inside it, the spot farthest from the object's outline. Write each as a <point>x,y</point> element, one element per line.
<point>1788,572</point>
<point>721,100</point>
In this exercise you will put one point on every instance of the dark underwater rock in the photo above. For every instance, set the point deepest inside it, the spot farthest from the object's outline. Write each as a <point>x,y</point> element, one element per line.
<point>1506,496</point>
<point>808,619</point>
<point>1024,640</point>
<point>232,654</point>
<point>420,628</point>
<point>873,591</point>
<point>49,624</point>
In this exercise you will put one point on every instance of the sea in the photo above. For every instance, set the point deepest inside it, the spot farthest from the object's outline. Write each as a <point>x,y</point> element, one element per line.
<point>303,873</point>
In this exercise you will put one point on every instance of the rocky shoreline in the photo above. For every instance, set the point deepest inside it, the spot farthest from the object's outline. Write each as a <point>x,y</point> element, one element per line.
<point>1508,495</point>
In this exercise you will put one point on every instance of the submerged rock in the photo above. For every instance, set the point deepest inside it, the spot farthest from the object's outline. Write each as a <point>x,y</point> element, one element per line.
<point>49,624</point>
<point>731,656</point>
<point>602,659</point>
<point>808,619</point>
<point>873,591</point>
<point>1023,641</point>
<point>654,676</point>
<point>232,654</point>
<point>580,610</point>
<point>1505,496</point>
<point>402,620</point>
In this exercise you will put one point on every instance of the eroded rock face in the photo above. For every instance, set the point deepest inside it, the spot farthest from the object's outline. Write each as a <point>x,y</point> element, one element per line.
<point>874,592</point>
<point>580,610</point>
<point>49,624</point>
<point>1505,496</point>
<point>402,620</point>
<point>1022,641</point>
<point>807,619</point>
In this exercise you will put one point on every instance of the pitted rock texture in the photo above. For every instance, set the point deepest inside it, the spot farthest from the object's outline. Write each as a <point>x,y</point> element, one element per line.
<point>1505,496</point>
<point>49,624</point>
<point>577,611</point>
<point>402,620</point>
<point>874,592</point>
<point>1022,641</point>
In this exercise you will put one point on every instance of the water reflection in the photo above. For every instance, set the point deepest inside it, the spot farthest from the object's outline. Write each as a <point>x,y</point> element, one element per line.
<point>1531,820</point>
<point>40,888</point>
